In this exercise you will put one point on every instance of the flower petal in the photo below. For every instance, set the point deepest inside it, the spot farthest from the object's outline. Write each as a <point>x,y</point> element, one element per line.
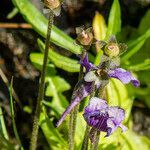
<point>85,63</point>
<point>110,127</point>
<point>116,114</point>
<point>96,104</point>
<point>82,90</point>
<point>124,76</point>
<point>124,128</point>
<point>96,114</point>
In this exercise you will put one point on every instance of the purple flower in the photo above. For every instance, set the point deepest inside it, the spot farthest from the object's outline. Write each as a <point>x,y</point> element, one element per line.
<point>101,117</point>
<point>81,91</point>
<point>124,76</point>
<point>93,74</point>
<point>119,73</point>
<point>85,63</point>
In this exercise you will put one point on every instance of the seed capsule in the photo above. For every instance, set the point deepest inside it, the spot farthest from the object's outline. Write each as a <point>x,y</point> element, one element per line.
<point>112,50</point>
<point>84,36</point>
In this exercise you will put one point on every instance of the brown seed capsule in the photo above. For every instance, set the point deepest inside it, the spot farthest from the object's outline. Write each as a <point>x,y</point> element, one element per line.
<point>52,4</point>
<point>85,38</point>
<point>112,50</point>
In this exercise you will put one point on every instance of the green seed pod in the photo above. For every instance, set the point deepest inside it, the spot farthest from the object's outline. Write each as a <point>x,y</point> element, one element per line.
<point>112,50</point>
<point>52,4</point>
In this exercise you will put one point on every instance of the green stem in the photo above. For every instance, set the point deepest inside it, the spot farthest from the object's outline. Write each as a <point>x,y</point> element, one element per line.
<point>41,86</point>
<point>96,141</point>
<point>13,115</point>
<point>73,116</point>
<point>86,138</point>
<point>3,126</point>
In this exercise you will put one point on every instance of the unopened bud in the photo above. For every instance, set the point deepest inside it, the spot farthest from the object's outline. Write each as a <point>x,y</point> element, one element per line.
<point>52,4</point>
<point>112,50</point>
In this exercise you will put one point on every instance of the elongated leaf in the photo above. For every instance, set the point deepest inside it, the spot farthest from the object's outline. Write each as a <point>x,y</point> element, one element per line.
<point>124,141</point>
<point>144,23</point>
<point>114,21</point>
<point>6,144</point>
<point>61,61</point>
<point>141,66</point>
<point>39,23</point>
<point>37,61</point>
<point>60,84</point>
<point>99,26</point>
<point>135,45</point>
<point>55,85</point>
<point>3,130</point>
<point>117,95</point>
<point>59,102</point>
<point>98,57</point>
<point>13,116</point>
<point>51,133</point>
<point>81,126</point>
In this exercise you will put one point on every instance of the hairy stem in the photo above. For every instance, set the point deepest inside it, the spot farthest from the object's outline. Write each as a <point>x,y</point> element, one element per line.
<point>86,138</point>
<point>87,131</point>
<point>96,141</point>
<point>73,116</point>
<point>34,135</point>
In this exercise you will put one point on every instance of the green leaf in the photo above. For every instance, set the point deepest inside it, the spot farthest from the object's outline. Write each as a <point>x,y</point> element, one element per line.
<point>6,144</point>
<point>144,23</point>
<point>39,23</point>
<point>141,66</point>
<point>60,84</point>
<point>81,126</point>
<point>99,26</point>
<point>37,61</point>
<point>3,130</point>
<point>114,21</point>
<point>134,142</point>
<point>13,116</point>
<point>55,85</point>
<point>61,61</point>
<point>98,57</point>
<point>135,45</point>
<point>124,141</point>
<point>117,95</point>
<point>54,138</point>
<point>59,102</point>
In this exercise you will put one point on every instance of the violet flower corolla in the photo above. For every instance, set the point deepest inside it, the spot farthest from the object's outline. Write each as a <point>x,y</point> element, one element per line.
<point>99,75</point>
<point>101,117</point>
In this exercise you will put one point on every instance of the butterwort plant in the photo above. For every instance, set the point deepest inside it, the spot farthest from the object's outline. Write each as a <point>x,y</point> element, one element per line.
<point>100,117</point>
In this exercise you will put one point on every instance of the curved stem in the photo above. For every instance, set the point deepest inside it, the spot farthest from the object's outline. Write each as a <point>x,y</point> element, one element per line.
<point>41,86</point>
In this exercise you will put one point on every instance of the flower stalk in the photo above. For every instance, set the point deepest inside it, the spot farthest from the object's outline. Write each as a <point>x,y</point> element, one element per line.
<point>100,94</point>
<point>34,135</point>
<point>73,115</point>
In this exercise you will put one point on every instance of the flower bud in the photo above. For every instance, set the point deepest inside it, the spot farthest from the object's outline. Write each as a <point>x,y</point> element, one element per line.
<point>52,4</point>
<point>85,38</point>
<point>112,50</point>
